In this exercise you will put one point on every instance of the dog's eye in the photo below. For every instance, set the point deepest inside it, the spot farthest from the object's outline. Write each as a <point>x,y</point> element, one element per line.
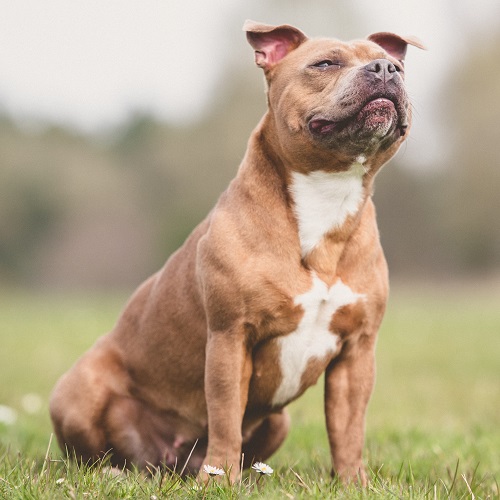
<point>326,63</point>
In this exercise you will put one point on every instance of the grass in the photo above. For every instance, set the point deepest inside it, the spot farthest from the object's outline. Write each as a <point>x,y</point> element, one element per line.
<point>433,428</point>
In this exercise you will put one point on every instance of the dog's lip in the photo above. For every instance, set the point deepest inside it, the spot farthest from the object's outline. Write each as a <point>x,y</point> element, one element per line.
<point>321,126</point>
<point>374,106</point>
<point>379,101</point>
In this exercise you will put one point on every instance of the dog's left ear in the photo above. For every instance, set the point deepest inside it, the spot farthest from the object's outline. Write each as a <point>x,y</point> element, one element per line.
<point>272,43</point>
<point>396,45</point>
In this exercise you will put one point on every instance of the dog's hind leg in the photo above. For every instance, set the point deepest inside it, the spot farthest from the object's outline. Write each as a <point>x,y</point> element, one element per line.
<point>81,400</point>
<point>95,415</point>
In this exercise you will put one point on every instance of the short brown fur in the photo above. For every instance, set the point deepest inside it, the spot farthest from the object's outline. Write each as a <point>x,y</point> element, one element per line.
<point>194,357</point>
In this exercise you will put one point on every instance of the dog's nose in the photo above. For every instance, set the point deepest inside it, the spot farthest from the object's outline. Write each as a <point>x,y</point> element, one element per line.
<point>382,68</point>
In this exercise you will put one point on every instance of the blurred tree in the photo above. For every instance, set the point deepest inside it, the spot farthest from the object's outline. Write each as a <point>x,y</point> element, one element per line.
<point>180,171</point>
<point>82,211</point>
<point>406,205</point>
<point>470,197</point>
<point>29,201</point>
<point>57,190</point>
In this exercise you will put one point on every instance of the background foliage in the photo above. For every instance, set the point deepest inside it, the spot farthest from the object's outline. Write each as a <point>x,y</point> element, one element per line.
<point>107,209</point>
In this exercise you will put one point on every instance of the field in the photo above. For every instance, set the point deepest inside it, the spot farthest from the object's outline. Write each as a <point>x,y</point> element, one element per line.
<point>433,428</point>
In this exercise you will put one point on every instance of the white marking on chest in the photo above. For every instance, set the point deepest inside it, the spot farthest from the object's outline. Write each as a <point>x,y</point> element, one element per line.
<point>312,338</point>
<point>324,200</point>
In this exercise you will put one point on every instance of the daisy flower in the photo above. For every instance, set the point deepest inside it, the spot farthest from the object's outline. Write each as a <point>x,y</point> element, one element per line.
<point>262,468</point>
<point>213,471</point>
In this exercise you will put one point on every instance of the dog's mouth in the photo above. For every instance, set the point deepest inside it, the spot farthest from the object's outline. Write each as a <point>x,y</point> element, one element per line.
<point>378,117</point>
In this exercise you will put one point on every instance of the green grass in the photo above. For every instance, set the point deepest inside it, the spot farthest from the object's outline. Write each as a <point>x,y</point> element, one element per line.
<point>433,428</point>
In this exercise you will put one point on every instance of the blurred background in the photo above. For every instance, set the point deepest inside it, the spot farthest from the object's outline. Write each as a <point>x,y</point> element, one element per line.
<point>121,122</point>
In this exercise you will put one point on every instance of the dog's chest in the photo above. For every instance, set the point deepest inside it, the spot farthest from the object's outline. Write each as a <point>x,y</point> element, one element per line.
<point>312,344</point>
<point>324,200</point>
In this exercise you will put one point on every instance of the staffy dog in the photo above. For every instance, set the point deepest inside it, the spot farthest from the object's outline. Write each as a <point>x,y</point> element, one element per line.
<point>284,280</point>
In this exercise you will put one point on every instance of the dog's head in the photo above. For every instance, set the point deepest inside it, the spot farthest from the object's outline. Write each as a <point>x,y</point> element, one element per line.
<point>332,101</point>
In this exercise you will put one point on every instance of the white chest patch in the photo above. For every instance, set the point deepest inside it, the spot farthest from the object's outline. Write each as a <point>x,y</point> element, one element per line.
<point>312,338</point>
<point>323,201</point>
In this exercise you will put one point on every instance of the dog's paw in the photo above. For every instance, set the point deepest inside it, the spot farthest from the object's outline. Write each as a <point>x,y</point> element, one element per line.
<point>351,475</point>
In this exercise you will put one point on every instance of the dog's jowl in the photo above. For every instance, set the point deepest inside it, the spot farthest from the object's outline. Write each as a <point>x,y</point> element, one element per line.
<point>283,281</point>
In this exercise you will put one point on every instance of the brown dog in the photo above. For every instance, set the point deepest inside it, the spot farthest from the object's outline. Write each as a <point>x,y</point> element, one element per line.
<point>284,280</point>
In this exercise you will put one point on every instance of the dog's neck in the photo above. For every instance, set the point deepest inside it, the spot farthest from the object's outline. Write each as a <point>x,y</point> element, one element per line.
<point>328,207</point>
<point>325,206</point>
<point>322,202</point>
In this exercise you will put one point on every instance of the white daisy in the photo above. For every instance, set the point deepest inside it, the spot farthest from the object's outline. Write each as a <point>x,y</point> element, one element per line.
<point>262,468</point>
<point>8,416</point>
<point>32,403</point>
<point>213,471</point>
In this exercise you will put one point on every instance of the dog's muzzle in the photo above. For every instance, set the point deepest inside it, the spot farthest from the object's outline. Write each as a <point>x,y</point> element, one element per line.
<point>376,104</point>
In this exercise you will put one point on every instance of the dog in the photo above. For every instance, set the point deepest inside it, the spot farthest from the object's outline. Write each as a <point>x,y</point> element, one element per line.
<point>283,281</point>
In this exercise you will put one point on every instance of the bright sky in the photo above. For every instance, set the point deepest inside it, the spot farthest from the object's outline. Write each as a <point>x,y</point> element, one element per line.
<point>89,63</point>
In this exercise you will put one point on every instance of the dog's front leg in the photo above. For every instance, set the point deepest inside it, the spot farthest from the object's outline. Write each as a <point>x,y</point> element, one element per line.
<point>227,376</point>
<point>348,386</point>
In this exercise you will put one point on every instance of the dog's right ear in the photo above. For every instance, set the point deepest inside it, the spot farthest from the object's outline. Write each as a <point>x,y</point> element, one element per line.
<point>272,43</point>
<point>396,45</point>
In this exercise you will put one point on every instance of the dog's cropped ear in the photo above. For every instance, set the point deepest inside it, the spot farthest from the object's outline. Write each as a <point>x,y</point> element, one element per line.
<point>272,43</point>
<point>396,45</point>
